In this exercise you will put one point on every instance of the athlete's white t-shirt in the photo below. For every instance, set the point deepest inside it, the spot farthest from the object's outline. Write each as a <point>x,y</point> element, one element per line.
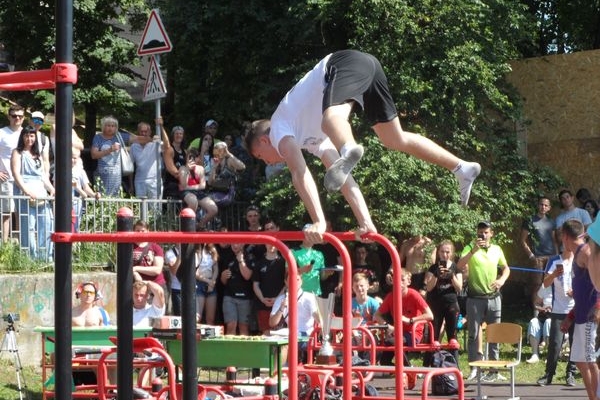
<point>300,112</point>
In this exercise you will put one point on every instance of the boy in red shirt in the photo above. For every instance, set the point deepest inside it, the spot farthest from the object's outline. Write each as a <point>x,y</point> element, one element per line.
<point>414,308</point>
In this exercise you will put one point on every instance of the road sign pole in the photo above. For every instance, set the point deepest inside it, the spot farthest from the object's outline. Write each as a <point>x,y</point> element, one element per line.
<point>157,112</point>
<point>155,41</point>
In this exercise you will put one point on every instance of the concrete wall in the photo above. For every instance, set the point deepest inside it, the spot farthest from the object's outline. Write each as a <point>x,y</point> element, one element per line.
<point>561,114</point>
<point>32,296</point>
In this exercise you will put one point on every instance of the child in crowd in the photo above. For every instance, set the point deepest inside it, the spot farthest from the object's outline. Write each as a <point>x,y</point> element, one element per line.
<point>538,329</point>
<point>363,305</point>
<point>81,188</point>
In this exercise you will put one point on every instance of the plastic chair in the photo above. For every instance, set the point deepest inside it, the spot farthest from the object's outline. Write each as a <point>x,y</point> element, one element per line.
<point>500,333</point>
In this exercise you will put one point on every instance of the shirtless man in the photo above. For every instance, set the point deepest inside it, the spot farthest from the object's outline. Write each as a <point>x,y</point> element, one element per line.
<point>412,253</point>
<point>414,259</point>
<point>87,313</point>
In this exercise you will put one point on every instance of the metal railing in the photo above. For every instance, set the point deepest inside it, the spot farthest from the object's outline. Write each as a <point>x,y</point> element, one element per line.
<point>98,216</point>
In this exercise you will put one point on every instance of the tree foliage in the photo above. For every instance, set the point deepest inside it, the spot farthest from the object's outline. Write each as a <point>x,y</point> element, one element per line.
<point>101,51</point>
<point>446,62</point>
<point>564,26</point>
<point>232,61</point>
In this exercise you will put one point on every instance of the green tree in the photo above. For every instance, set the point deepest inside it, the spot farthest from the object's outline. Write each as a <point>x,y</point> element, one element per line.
<point>101,50</point>
<point>564,26</point>
<point>446,62</point>
<point>233,60</point>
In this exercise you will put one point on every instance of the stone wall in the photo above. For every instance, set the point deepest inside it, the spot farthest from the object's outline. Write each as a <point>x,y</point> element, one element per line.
<point>32,297</point>
<point>561,114</point>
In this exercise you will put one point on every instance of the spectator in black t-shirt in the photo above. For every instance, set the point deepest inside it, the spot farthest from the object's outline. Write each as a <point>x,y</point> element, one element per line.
<point>237,293</point>
<point>373,273</point>
<point>268,281</point>
<point>443,281</point>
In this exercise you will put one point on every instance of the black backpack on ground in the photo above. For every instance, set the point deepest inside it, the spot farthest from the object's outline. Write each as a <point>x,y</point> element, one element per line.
<point>444,384</point>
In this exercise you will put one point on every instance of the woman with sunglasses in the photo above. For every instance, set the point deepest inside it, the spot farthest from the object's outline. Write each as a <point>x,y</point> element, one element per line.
<point>33,182</point>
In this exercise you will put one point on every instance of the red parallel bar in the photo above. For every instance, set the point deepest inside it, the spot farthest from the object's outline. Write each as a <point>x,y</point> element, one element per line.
<point>273,239</point>
<point>347,309</point>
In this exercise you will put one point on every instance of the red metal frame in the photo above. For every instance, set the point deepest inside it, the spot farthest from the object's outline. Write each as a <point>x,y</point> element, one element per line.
<point>276,239</point>
<point>39,79</point>
<point>273,239</point>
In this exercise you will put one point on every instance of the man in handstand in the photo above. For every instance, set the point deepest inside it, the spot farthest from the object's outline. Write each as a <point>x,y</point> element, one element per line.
<point>313,116</point>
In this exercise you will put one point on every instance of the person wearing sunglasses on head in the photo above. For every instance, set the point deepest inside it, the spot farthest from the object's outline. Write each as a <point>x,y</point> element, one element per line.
<point>36,121</point>
<point>9,137</point>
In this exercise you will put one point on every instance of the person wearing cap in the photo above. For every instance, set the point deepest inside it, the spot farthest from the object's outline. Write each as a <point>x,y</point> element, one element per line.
<point>586,312</point>
<point>37,120</point>
<point>314,116</point>
<point>480,261</point>
<point>210,127</point>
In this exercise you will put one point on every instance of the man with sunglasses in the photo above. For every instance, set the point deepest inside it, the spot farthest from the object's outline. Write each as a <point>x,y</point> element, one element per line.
<point>9,137</point>
<point>88,312</point>
<point>37,120</point>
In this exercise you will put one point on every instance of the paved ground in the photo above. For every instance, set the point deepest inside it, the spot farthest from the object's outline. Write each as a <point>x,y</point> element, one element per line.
<point>499,391</point>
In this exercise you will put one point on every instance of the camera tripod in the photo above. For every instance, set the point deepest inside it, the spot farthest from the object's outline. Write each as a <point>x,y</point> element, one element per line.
<point>9,344</point>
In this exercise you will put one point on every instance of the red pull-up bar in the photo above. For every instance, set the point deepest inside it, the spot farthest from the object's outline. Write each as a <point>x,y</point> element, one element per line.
<point>39,79</point>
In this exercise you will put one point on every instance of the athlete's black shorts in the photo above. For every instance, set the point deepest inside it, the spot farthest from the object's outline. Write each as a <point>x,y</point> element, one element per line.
<point>353,75</point>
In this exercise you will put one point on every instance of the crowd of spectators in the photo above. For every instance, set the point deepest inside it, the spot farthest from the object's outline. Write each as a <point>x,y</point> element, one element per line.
<point>206,175</point>
<point>244,286</point>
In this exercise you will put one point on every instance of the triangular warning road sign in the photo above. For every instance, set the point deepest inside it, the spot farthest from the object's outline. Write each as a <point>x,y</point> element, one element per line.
<point>155,86</point>
<point>154,39</point>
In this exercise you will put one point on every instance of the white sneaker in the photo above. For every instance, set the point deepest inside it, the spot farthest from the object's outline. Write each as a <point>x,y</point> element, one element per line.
<point>472,375</point>
<point>466,175</point>
<point>500,377</point>
<point>338,173</point>
<point>533,359</point>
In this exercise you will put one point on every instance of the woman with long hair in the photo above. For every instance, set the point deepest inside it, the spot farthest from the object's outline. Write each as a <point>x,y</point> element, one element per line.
<point>192,189</point>
<point>443,282</point>
<point>32,181</point>
<point>206,259</point>
<point>174,157</point>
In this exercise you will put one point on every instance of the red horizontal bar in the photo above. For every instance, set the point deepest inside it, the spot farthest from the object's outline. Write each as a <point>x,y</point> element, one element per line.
<point>39,79</point>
